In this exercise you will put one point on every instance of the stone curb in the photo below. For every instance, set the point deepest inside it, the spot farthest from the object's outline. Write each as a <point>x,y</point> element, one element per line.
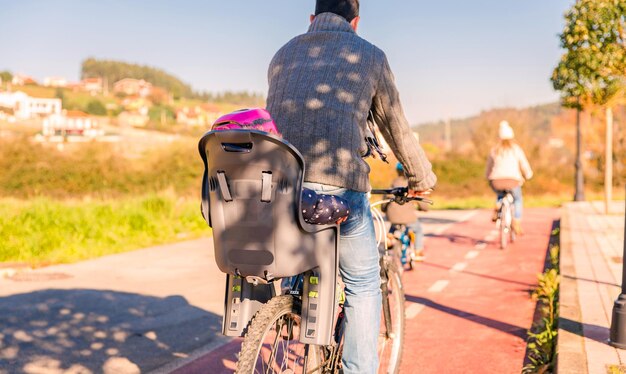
<point>571,357</point>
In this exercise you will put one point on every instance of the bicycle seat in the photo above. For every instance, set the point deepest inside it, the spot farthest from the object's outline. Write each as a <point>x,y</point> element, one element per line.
<point>504,185</point>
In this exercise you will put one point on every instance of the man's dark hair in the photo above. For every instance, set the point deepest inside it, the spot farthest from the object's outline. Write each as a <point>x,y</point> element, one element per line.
<point>348,9</point>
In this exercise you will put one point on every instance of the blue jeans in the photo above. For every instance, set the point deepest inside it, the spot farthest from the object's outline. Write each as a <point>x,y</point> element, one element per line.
<point>517,200</point>
<point>417,229</point>
<point>360,271</point>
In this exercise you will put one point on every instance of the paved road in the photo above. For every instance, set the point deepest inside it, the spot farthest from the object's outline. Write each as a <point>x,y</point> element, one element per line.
<point>159,309</point>
<point>126,313</point>
<point>468,304</point>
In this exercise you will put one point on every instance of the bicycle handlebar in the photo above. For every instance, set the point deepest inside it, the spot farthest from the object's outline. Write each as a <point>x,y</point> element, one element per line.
<point>400,195</point>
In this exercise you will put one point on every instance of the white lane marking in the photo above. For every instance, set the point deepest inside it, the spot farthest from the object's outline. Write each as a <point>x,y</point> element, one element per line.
<point>463,218</point>
<point>459,266</point>
<point>413,310</point>
<point>438,286</point>
<point>480,246</point>
<point>471,254</point>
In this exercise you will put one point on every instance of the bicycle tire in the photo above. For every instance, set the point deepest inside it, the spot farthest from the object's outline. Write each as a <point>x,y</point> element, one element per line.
<point>395,293</point>
<point>503,229</point>
<point>259,328</point>
<point>513,234</point>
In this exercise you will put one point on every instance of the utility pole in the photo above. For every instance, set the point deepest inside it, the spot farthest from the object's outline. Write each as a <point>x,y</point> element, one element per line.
<point>608,163</point>
<point>617,333</point>
<point>447,133</point>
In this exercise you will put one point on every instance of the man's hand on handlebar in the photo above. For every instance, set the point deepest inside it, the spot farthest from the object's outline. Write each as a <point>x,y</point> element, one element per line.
<point>415,193</point>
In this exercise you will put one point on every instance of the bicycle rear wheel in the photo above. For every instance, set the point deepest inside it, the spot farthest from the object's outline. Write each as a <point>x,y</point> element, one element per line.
<point>503,236</point>
<point>505,225</point>
<point>391,337</point>
<point>513,234</point>
<point>272,345</point>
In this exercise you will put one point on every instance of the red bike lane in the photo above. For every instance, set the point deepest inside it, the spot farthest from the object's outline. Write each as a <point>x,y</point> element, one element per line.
<point>468,304</point>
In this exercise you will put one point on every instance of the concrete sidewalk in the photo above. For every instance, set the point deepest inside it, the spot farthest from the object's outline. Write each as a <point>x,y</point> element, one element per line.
<point>591,271</point>
<point>126,313</point>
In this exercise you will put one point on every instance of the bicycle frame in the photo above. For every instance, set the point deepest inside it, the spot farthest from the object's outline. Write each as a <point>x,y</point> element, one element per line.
<point>504,222</point>
<point>295,286</point>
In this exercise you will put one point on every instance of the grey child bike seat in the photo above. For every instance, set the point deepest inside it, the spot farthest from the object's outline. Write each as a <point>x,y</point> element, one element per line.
<point>251,196</point>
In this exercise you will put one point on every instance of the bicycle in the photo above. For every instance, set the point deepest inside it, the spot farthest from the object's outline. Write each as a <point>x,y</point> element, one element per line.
<point>403,244</point>
<point>271,343</point>
<point>504,221</point>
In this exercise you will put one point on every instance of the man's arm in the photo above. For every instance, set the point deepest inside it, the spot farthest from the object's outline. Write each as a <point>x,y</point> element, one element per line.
<point>394,127</point>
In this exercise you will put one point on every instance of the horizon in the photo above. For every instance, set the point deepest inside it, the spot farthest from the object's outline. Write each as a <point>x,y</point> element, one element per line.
<point>504,59</point>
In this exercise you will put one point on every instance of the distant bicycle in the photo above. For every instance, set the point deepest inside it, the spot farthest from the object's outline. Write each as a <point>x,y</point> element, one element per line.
<point>403,244</point>
<point>504,220</point>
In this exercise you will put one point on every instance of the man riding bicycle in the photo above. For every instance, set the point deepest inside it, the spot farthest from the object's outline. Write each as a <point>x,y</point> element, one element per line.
<point>322,85</point>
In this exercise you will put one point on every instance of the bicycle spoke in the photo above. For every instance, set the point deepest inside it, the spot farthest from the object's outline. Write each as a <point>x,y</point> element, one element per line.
<point>279,327</point>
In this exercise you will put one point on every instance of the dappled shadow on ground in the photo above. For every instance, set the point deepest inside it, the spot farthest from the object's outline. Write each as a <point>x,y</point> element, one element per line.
<point>92,331</point>
<point>508,328</point>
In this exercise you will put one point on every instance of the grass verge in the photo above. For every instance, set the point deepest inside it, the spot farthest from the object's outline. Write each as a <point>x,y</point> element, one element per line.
<point>488,201</point>
<point>542,337</point>
<point>44,231</point>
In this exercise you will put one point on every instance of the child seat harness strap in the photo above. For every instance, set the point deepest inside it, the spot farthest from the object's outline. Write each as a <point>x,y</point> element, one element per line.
<point>221,179</point>
<point>266,186</point>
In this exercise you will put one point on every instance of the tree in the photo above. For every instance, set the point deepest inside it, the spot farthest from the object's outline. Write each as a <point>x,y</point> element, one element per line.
<point>592,70</point>
<point>96,107</point>
<point>6,76</point>
<point>569,78</point>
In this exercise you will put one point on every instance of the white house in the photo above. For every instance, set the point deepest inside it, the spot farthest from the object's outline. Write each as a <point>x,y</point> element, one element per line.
<point>21,80</point>
<point>25,107</point>
<point>55,82</point>
<point>71,122</point>
<point>130,86</point>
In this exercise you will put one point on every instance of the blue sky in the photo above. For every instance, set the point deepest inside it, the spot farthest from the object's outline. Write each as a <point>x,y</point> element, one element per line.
<point>451,58</point>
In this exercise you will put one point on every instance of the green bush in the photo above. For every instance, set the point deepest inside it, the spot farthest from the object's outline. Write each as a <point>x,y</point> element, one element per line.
<point>96,108</point>
<point>95,169</point>
<point>543,335</point>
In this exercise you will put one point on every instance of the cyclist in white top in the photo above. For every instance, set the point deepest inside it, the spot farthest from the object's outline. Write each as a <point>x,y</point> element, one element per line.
<point>507,169</point>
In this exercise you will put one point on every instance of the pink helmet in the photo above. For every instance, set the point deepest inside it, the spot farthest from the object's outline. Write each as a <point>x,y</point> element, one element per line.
<point>247,119</point>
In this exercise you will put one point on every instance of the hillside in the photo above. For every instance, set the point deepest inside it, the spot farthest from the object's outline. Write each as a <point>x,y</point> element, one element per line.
<point>546,132</point>
<point>113,71</point>
<point>465,132</point>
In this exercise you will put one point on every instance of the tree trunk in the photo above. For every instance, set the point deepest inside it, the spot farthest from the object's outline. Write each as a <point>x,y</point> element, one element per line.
<point>579,195</point>
<point>608,163</point>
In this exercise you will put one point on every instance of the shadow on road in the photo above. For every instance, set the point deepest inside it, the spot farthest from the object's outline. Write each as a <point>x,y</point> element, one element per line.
<point>591,280</point>
<point>517,331</point>
<point>499,279</point>
<point>436,221</point>
<point>586,330</point>
<point>94,331</point>
<point>455,238</point>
